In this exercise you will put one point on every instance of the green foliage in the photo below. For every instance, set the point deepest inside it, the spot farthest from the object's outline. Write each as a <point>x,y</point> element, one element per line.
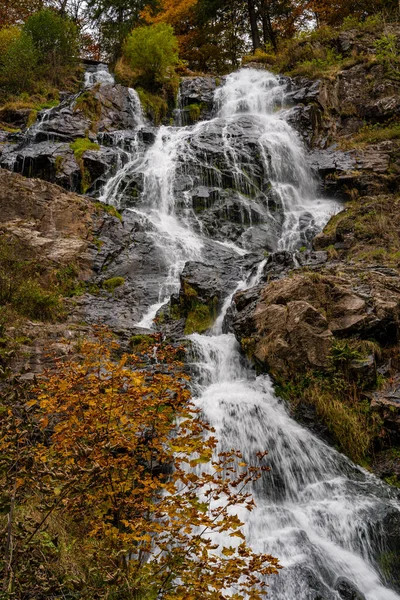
<point>386,49</point>
<point>194,111</point>
<point>199,319</point>
<point>113,283</point>
<point>79,147</point>
<point>55,38</point>
<point>18,60</point>
<point>23,285</point>
<point>342,353</point>
<point>152,52</point>
<point>109,209</point>
<point>90,106</point>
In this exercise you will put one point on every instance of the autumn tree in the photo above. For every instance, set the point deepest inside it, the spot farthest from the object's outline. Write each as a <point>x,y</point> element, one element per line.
<point>111,486</point>
<point>15,12</point>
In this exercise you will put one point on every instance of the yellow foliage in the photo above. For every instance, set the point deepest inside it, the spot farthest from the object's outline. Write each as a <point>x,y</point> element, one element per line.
<point>107,449</point>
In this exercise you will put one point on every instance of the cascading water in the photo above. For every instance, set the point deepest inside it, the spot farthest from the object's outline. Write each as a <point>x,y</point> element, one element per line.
<point>316,511</point>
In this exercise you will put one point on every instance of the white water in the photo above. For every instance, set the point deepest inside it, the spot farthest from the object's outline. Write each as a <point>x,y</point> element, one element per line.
<point>97,74</point>
<point>315,510</point>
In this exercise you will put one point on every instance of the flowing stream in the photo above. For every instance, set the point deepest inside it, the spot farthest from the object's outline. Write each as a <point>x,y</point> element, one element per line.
<point>316,511</point>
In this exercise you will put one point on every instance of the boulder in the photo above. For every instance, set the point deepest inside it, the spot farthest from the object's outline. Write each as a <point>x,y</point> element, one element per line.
<point>291,323</point>
<point>196,96</point>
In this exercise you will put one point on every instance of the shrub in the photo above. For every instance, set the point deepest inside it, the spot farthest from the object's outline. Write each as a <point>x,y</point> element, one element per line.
<point>152,52</point>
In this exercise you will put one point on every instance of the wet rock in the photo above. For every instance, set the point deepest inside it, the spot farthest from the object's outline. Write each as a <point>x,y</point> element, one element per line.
<point>347,590</point>
<point>389,559</point>
<point>197,98</point>
<point>55,162</point>
<point>386,403</point>
<point>103,108</point>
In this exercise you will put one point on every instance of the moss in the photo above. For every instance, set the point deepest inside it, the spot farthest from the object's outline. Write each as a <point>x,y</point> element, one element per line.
<point>142,343</point>
<point>194,111</point>
<point>199,319</point>
<point>32,117</point>
<point>109,209</point>
<point>110,285</point>
<point>90,106</point>
<point>81,145</point>
<point>58,163</point>
<point>153,105</point>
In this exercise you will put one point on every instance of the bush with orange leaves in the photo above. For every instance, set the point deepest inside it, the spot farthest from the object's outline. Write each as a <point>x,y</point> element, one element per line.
<point>113,490</point>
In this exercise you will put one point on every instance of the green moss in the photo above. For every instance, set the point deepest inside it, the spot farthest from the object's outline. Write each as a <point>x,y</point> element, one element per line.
<point>58,163</point>
<point>81,145</point>
<point>154,106</point>
<point>113,283</point>
<point>194,111</point>
<point>109,209</point>
<point>90,106</point>
<point>32,117</point>
<point>199,320</point>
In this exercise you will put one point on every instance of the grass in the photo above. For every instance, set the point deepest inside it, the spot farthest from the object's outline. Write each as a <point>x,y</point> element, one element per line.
<point>25,287</point>
<point>371,228</point>
<point>90,106</point>
<point>314,54</point>
<point>154,106</point>
<point>371,134</point>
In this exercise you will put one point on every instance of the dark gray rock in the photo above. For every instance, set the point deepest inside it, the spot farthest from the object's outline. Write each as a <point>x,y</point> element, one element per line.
<point>196,91</point>
<point>347,590</point>
<point>55,162</point>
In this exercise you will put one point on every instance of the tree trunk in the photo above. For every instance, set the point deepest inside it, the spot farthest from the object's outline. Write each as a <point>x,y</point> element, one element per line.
<point>268,31</point>
<point>255,36</point>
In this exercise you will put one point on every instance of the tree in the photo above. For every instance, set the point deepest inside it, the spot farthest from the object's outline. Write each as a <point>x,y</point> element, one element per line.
<point>15,12</point>
<point>55,38</point>
<point>114,20</point>
<point>18,60</point>
<point>109,483</point>
<point>152,52</point>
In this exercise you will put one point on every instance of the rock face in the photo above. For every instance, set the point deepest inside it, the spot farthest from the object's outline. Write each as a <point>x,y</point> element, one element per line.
<point>196,99</point>
<point>45,151</point>
<point>291,323</point>
<point>54,223</point>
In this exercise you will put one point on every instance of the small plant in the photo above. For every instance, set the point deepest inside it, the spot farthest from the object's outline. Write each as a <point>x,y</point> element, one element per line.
<point>110,285</point>
<point>109,209</point>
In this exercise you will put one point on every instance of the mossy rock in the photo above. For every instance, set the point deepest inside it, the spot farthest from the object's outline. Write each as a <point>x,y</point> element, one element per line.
<point>199,319</point>
<point>110,285</point>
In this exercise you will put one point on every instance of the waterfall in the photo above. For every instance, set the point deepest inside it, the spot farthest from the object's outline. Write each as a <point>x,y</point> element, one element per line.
<point>316,511</point>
